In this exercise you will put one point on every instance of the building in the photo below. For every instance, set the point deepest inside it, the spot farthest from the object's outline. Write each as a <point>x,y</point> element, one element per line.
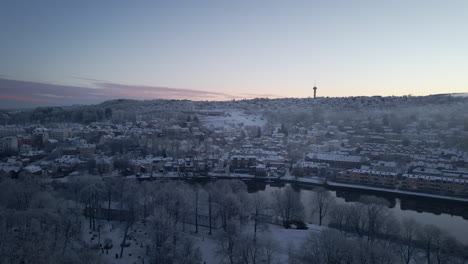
<point>141,165</point>
<point>39,136</point>
<point>309,168</point>
<point>337,160</point>
<point>59,134</point>
<point>435,184</point>
<point>87,149</point>
<point>9,145</point>
<point>10,131</point>
<point>174,131</point>
<point>368,177</point>
<point>243,164</point>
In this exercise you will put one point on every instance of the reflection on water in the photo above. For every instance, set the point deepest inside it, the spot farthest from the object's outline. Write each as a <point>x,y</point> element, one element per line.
<point>450,216</point>
<point>436,207</point>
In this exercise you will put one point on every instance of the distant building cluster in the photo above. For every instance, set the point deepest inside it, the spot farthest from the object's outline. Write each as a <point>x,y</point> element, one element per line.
<point>358,140</point>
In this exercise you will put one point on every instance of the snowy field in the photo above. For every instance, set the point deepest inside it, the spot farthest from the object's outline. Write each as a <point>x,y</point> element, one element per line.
<point>285,238</point>
<point>233,118</point>
<point>136,252</point>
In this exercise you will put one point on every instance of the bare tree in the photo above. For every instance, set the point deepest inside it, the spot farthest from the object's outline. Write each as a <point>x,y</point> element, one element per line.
<point>228,243</point>
<point>446,249</point>
<point>91,195</point>
<point>389,231</point>
<point>227,200</point>
<point>408,234</point>
<point>245,205</point>
<point>161,232</point>
<point>186,252</point>
<point>130,216</point>
<point>322,201</point>
<point>328,247</point>
<point>211,193</point>
<point>339,217</point>
<point>196,192</point>
<point>376,212</point>
<point>357,219</point>
<point>109,193</point>
<point>429,236</point>
<point>119,192</point>
<point>236,246</point>
<point>258,203</point>
<point>287,204</point>
<point>163,249</point>
<point>271,247</point>
<point>369,253</point>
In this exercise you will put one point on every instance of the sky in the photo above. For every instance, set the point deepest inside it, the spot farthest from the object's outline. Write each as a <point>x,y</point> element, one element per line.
<point>77,52</point>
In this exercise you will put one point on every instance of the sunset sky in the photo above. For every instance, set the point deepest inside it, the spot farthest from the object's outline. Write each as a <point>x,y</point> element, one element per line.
<point>68,52</point>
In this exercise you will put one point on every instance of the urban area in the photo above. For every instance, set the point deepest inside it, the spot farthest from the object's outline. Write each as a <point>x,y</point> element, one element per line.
<point>174,181</point>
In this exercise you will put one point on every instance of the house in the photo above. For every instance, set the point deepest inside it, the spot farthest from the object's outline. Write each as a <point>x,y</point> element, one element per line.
<point>9,171</point>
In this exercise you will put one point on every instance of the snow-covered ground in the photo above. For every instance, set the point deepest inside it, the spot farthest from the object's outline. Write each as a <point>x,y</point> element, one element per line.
<point>233,117</point>
<point>285,238</point>
<point>136,252</point>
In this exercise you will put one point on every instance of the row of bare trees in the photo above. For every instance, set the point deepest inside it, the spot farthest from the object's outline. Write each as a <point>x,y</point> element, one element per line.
<point>161,207</point>
<point>366,232</point>
<point>39,226</point>
<point>170,211</point>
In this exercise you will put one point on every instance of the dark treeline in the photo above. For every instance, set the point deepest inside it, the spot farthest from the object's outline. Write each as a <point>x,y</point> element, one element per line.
<point>44,115</point>
<point>121,109</point>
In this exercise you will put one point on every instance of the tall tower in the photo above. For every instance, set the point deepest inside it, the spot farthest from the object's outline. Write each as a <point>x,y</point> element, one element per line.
<point>315,91</point>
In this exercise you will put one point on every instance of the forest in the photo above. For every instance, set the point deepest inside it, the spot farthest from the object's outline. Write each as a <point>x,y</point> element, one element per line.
<point>48,222</point>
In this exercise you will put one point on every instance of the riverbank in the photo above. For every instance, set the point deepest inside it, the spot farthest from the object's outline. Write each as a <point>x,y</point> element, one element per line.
<point>316,181</point>
<point>394,191</point>
<point>302,181</point>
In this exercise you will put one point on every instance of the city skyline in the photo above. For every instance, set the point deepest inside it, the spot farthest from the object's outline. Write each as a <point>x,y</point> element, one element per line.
<point>62,53</point>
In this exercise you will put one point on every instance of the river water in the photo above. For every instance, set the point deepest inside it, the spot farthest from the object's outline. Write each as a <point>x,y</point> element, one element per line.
<point>451,217</point>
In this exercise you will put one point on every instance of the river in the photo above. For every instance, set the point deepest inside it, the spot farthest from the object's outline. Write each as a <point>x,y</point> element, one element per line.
<point>446,215</point>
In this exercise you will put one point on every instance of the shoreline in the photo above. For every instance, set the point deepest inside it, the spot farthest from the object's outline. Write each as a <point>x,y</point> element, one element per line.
<point>315,181</point>
<point>305,181</point>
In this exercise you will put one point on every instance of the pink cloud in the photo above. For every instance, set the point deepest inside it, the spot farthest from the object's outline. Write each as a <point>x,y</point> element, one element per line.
<point>22,98</point>
<point>37,92</point>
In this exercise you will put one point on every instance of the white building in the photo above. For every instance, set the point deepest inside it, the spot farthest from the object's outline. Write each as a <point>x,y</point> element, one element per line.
<point>9,144</point>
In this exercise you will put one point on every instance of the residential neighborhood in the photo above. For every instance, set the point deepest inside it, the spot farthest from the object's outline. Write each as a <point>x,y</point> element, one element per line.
<point>389,148</point>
